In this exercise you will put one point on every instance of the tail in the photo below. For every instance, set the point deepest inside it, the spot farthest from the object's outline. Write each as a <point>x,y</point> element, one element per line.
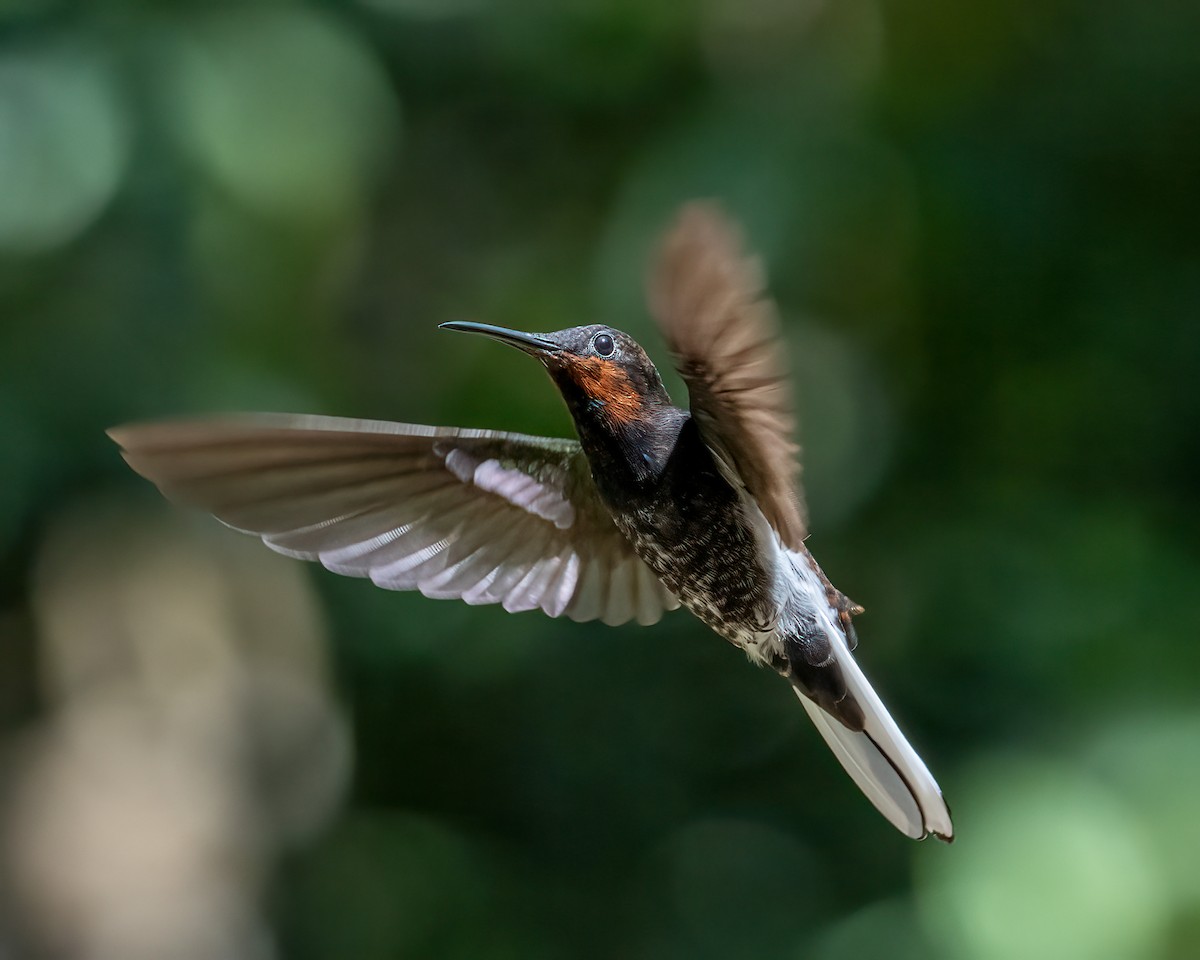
<point>880,759</point>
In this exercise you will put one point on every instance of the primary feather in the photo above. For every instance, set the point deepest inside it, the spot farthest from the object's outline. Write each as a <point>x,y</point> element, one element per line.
<point>486,516</point>
<point>707,297</point>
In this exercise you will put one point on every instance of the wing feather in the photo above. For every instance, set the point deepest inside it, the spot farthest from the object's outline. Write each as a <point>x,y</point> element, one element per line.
<point>486,516</point>
<point>707,298</point>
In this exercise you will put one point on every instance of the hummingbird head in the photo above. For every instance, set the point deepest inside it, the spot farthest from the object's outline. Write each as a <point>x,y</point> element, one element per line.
<point>604,375</point>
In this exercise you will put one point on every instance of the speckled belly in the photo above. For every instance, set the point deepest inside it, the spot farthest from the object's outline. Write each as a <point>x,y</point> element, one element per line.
<point>707,555</point>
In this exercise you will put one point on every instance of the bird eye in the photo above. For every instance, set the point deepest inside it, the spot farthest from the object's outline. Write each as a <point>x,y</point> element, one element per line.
<point>603,345</point>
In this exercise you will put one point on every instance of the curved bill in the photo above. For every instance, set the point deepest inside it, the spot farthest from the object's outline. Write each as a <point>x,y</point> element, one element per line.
<point>529,342</point>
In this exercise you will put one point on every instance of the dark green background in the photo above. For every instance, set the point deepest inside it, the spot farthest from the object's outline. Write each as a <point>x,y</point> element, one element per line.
<point>980,223</point>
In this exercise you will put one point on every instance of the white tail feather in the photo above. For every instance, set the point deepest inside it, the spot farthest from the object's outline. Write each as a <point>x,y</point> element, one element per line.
<point>880,759</point>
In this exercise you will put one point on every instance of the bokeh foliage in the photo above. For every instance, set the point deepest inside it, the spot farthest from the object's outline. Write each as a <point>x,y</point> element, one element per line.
<point>980,222</point>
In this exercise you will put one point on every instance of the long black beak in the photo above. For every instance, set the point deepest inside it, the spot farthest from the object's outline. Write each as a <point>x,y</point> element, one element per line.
<point>529,342</point>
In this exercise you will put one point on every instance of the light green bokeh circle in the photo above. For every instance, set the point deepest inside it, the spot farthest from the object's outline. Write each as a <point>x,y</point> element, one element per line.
<point>1048,864</point>
<point>284,109</point>
<point>64,144</point>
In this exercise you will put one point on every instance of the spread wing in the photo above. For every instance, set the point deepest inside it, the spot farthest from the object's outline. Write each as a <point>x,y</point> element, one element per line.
<point>484,516</point>
<point>708,299</point>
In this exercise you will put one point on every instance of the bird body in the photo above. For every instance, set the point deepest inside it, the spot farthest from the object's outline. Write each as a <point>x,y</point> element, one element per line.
<point>654,507</point>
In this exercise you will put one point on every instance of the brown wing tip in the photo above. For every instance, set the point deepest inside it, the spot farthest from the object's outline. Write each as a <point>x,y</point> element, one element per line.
<point>129,441</point>
<point>133,438</point>
<point>142,436</point>
<point>152,435</point>
<point>704,224</point>
<point>707,215</point>
<point>702,251</point>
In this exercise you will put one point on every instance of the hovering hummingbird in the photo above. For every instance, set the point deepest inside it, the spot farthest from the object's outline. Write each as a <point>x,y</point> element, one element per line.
<point>653,507</point>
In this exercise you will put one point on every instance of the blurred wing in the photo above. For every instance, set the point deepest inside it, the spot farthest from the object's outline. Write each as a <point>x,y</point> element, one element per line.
<point>708,300</point>
<point>488,517</point>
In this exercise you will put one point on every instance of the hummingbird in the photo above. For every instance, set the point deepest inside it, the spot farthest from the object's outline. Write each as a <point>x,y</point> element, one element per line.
<point>654,506</point>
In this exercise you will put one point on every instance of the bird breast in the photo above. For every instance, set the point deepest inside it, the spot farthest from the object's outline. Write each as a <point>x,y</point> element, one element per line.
<point>712,548</point>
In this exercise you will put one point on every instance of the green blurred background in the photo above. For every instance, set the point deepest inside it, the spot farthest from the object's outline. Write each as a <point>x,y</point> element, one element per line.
<point>980,223</point>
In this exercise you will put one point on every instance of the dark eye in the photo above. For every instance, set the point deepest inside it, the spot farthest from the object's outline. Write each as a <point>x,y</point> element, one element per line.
<point>603,345</point>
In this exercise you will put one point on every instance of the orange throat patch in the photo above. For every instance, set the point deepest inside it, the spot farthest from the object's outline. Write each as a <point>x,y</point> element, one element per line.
<point>607,384</point>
